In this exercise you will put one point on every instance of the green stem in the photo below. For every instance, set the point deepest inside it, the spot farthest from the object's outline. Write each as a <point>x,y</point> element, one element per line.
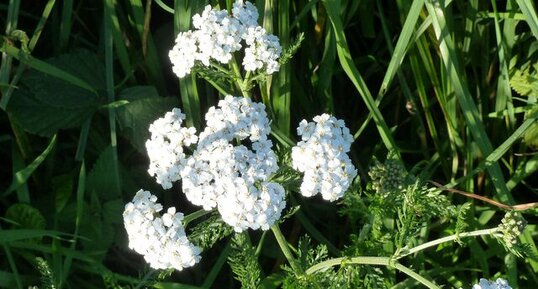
<point>193,216</point>
<point>240,83</point>
<point>448,239</point>
<point>285,249</point>
<point>260,244</point>
<point>368,260</point>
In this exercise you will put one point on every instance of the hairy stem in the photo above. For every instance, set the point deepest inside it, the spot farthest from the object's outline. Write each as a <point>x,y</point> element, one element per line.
<point>239,82</point>
<point>448,239</point>
<point>369,260</point>
<point>285,249</point>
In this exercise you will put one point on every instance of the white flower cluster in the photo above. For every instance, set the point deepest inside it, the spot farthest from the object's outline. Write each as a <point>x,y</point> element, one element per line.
<point>322,156</point>
<point>165,147</point>
<point>486,284</point>
<point>217,35</point>
<point>161,240</point>
<point>221,172</point>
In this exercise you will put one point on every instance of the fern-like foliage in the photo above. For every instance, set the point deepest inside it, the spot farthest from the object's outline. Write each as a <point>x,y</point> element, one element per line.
<point>291,50</point>
<point>461,221</point>
<point>210,231</point>
<point>345,276</point>
<point>244,262</point>
<point>525,82</point>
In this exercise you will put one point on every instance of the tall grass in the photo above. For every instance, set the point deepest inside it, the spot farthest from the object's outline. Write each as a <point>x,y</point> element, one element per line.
<point>433,81</point>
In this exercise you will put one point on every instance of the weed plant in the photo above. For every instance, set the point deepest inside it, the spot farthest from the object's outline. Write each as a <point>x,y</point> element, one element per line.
<point>440,97</point>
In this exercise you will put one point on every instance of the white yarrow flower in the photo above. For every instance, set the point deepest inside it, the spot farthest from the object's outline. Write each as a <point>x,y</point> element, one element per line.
<point>262,52</point>
<point>230,176</point>
<point>246,13</point>
<point>322,156</point>
<point>162,240</point>
<point>486,284</point>
<point>221,172</point>
<point>184,54</point>
<point>244,206</point>
<point>165,147</point>
<point>217,35</point>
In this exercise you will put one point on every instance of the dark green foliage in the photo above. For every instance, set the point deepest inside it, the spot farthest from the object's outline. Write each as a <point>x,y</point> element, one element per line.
<point>452,94</point>
<point>208,232</point>
<point>346,276</point>
<point>243,262</point>
<point>45,104</point>
<point>144,107</point>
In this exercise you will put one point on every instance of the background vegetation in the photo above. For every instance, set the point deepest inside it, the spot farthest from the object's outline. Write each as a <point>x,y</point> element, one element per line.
<point>449,86</point>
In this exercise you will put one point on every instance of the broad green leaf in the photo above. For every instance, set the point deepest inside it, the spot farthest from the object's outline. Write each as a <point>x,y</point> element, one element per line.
<point>62,186</point>
<point>138,92</point>
<point>101,179</point>
<point>99,233</point>
<point>7,236</point>
<point>44,104</point>
<point>135,117</point>
<point>112,211</point>
<point>26,216</point>
<point>7,279</point>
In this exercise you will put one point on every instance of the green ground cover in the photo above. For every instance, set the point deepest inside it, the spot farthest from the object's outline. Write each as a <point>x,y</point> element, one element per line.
<point>440,97</point>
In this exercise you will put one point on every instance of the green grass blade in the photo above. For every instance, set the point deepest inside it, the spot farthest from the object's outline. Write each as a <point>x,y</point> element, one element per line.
<point>164,6</point>
<point>303,13</point>
<point>12,265</point>
<point>281,94</point>
<point>66,23</point>
<point>165,285</point>
<point>333,8</point>
<point>20,177</point>
<point>31,44</point>
<point>83,140</point>
<point>530,15</point>
<point>44,67</point>
<point>212,275</point>
<point>507,144</point>
<point>81,187</point>
<point>109,75</point>
<point>11,24</point>
<point>316,234</point>
<point>119,42</point>
<point>187,86</point>
<point>401,45</point>
<point>524,170</point>
<point>326,72</point>
<point>9,236</point>
<point>504,91</point>
<point>470,111</point>
<point>152,64</point>
<point>23,194</point>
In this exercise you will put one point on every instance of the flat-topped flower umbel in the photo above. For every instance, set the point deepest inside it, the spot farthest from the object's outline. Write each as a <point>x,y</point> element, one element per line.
<point>322,156</point>
<point>162,240</point>
<point>217,35</point>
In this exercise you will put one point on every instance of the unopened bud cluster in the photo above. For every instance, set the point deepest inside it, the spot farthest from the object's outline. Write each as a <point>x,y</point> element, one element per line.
<point>387,177</point>
<point>511,227</point>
